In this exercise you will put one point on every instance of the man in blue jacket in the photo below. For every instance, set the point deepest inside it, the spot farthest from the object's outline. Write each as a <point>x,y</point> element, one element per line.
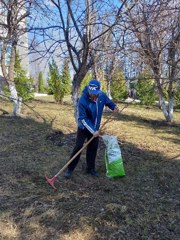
<point>90,109</point>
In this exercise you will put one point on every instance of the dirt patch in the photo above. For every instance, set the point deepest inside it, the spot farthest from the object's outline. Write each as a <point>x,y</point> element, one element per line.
<point>59,138</point>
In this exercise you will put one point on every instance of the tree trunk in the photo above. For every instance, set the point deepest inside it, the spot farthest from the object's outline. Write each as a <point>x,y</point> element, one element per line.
<point>109,88</point>
<point>17,101</point>
<point>14,95</point>
<point>75,96</point>
<point>8,73</point>
<point>77,79</point>
<point>1,86</point>
<point>171,108</point>
<point>167,109</point>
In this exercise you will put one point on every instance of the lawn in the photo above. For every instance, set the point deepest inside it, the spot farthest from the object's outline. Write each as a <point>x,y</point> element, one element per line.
<point>143,205</point>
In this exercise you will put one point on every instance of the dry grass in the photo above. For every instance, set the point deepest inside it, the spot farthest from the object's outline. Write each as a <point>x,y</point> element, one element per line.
<point>142,205</point>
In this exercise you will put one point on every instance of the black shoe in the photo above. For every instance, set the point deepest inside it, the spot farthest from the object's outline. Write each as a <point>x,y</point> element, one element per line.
<point>92,172</point>
<point>68,174</point>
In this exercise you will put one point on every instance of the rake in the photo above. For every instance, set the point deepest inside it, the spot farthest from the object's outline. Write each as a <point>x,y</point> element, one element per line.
<point>52,180</point>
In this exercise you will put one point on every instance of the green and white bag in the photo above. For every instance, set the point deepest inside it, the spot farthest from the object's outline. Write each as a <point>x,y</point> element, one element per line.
<point>113,157</point>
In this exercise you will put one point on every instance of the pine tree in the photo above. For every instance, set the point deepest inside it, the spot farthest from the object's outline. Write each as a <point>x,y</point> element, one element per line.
<point>55,82</point>
<point>86,80</point>
<point>50,89</point>
<point>66,79</point>
<point>145,88</point>
<point>40,83</point>
<point>118,86</point>
<point>177,98</point>
<point>24,84</point>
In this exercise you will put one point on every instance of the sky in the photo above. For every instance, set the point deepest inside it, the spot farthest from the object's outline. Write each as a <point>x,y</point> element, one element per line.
<point>42,65</point>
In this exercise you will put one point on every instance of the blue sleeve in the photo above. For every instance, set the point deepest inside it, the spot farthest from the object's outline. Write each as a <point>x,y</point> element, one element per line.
<point>109,103</point>
<point>84,118</point>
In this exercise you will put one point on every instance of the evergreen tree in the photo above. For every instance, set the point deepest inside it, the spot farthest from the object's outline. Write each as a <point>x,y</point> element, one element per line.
<point>145,88</point>
<point>118,86</point>
<point>177,98</point>
<point>89,77</point>
<point>66,79</point>
<point>40,83</point>
<point>50,88</point>
<point>86,80</point>
<point>55,82</point>
<point>23,84</point>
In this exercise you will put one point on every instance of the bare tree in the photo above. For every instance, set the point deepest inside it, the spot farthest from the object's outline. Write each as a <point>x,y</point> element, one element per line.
<point>13,16</point>
<point>111,62</point>
<point>155,27</point>
<point>80,25</point>
<point>107,58</point>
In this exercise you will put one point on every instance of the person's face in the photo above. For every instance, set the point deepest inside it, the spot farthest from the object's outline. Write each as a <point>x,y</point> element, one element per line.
<point>93,97</point>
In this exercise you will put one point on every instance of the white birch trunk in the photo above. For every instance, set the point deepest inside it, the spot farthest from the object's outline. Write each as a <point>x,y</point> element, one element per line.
<point>168,114</point>
<point>17,101</point>
<point>109,89</point>
<point>171,108</point>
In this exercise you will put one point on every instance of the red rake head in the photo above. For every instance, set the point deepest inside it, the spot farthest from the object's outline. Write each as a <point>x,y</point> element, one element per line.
<point>51,181</point>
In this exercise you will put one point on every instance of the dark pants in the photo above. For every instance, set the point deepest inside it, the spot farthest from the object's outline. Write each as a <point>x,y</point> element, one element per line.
<point>91,151</point>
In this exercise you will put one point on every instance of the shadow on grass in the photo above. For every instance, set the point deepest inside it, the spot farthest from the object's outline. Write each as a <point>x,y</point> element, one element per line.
<point>141,205</point>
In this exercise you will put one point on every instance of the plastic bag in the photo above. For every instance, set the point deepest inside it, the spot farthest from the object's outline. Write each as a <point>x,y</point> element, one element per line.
<point>113,157</point>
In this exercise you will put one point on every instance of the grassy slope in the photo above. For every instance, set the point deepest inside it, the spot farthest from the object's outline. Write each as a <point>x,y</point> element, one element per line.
<point>142,205</point>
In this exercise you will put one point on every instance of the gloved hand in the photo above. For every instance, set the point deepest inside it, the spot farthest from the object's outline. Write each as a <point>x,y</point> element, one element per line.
<point>96,134</point>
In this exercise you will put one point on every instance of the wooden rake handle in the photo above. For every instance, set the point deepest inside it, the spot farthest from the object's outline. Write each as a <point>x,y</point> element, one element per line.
<point>84,146</point>
<point>66,165</point>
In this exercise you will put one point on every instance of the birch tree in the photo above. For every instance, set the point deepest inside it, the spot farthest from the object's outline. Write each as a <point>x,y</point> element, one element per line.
<point>13,16</point>
<point>155,27</point>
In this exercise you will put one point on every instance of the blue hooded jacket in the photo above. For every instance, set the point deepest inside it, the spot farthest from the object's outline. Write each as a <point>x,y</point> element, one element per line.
<point>90,112</point>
